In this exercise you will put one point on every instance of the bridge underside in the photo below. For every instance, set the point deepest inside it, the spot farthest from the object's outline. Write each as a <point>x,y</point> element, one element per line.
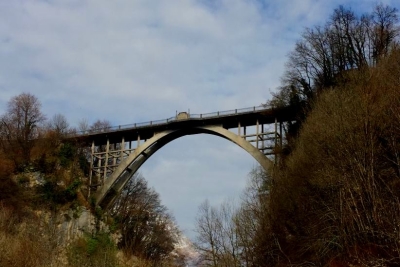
<point>114,162</point>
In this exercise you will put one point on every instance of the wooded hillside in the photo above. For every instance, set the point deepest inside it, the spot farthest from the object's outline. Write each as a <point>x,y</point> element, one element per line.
<point>333,199</point>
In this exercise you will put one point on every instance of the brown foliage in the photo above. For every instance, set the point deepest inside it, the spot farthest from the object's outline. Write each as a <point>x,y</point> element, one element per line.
<point>147,229</point>
<point>337,195</point>
<point>19,127</point>
<point>8,189</point>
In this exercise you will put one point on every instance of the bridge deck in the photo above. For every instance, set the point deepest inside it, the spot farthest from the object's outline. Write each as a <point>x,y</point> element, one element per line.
<point>227,119</point>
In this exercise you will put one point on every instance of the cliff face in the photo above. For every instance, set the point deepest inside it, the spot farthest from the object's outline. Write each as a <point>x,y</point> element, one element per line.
<point>70,220</point>
<point>69,224</point>
<point>36,229</point>
<point>64,228</point>
<point>39,237</point>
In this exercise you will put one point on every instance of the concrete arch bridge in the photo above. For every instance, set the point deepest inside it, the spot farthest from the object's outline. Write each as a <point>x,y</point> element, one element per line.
<point>118,152</point>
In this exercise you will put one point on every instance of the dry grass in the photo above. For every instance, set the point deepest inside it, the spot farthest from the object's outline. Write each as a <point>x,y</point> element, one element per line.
<point>22,243</point>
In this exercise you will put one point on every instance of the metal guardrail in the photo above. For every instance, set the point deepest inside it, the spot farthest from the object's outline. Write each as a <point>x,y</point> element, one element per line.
<point>211,115</point>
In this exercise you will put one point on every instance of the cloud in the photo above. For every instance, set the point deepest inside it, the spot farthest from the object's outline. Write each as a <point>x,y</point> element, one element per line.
<point>174,54</point>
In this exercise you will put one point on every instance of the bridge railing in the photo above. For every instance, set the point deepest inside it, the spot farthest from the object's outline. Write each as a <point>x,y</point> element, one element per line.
<point>216,114</point>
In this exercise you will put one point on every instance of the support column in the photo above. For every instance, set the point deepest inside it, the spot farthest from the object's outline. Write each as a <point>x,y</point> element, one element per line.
<point>257,134</point>
<point>239,129</point>
<point>138,141</point>
<point>121,156</point>
<point>100,158</point>
<point>91,168</point>
<point>106,162</point>
<point>114,156</point>
<point>263,138</point>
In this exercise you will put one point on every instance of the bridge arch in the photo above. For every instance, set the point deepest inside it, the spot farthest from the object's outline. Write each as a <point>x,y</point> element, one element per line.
<point>114,184</point>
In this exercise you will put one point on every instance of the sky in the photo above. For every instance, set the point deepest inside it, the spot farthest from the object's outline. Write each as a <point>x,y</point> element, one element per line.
<point>130,61</point>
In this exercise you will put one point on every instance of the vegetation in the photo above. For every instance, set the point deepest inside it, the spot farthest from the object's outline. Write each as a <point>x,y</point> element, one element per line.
<point>333,199</point>
<point>43,176</point>
<point>325,55</point>
<point>147,230</point>
<point>336,196</point>
<point>97,250</point>
<point>19,127</point>
<point>227,235</point>
<point>24,239</point>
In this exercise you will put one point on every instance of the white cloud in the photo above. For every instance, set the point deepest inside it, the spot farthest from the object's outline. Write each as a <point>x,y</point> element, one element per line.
<point>134,50</point>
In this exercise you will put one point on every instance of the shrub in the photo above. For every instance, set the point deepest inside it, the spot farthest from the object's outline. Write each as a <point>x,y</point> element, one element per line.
<point>93,250</point>
<point>66,154</point>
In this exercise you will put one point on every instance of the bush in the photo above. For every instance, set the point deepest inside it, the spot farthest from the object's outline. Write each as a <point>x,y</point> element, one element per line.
<point>53,193</point>
<point>66,154</point>
<point>45,164</point>
<point>9,192</point>
<point>96,250</point>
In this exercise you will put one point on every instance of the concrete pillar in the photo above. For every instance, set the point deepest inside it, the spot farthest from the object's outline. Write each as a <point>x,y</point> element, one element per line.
<point>262,137</point>
<point>114,155</point>
<point>100,158</point>
<point>106,159</point>
<point>257,134</point>
<point>91,168</point>
<point>121,156</point>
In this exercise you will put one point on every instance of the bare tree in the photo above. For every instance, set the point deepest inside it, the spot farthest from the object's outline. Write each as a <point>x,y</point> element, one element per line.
<point>83,126</point>
<point>19,126</point>
<point>217,239</point>
<point>146,227</point>
<point>207,228</point>
<point>59,124</point>
<point>325,57</point>
<point>252,211</point>
<point>100,125</point>
<point>384,31</point>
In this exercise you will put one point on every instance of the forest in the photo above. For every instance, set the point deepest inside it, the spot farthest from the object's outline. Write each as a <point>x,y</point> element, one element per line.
<point>332,198</point>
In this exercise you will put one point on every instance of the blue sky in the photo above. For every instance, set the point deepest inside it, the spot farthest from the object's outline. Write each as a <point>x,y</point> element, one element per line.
<point>139,60</point>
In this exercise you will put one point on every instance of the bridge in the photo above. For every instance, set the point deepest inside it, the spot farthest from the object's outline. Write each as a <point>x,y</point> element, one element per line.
<point>116,153</point>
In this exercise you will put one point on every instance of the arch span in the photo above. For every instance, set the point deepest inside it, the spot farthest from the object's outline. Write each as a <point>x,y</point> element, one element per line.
<point>114,184</point>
